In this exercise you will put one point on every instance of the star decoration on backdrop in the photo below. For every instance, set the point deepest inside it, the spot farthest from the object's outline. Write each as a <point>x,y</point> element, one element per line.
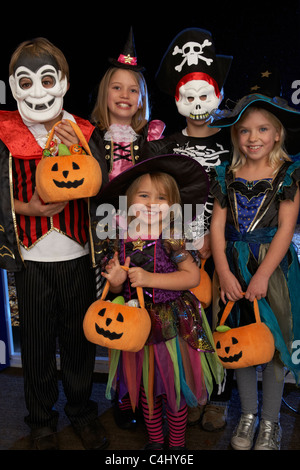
<point>266,74</point>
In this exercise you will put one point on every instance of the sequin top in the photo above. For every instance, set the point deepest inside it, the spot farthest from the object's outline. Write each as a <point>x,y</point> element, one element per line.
<point>152,257</point>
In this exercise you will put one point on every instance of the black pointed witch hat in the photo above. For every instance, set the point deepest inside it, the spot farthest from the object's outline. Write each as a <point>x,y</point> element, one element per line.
<point>128,58</point>
<point>190,176</point>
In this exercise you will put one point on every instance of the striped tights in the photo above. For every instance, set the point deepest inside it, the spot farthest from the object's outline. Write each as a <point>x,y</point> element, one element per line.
<point>176,422</point>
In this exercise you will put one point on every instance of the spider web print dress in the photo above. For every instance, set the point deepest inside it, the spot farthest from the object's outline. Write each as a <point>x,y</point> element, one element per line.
<point>252,221</point>
<point>179,359</point>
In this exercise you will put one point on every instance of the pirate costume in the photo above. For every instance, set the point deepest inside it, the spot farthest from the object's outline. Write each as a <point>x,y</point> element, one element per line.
<point>191,59</point>
<point>189,69</point>
<point>183,356</point>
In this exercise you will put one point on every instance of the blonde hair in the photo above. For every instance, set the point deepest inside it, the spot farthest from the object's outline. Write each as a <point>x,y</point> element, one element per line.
<point>277,155</point>
<point>37,47</point>
<point>100,114</point>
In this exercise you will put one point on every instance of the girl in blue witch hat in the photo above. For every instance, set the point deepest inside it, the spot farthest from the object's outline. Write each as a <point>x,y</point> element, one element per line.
<point>254,217</point>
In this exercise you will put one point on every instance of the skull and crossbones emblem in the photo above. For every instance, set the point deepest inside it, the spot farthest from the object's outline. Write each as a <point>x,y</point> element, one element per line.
<point>191,53</point>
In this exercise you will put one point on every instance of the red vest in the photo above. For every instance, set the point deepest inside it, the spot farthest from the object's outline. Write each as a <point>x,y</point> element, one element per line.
<point>73,220</point>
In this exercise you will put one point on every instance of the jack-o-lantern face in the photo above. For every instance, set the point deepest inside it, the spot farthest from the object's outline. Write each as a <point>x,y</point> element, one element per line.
<point>109,322</point>
<point>245,346</point>
<point>229,352</point>
<point>116,326</point>
<point>72,174</point>
<point>66,177</point>
<point>66,183</point>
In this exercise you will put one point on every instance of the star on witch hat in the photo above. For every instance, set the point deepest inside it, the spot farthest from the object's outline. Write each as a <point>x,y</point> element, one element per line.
<point>266,81</point>
<point>128,58</point>
<point>191,56</point>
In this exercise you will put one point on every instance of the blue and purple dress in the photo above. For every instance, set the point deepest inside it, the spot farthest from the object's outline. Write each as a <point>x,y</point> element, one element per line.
<point>252,222</point>
<point>184,357</point>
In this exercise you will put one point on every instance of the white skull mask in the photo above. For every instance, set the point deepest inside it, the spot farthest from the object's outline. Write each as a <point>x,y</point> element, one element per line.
<point>197,100</point>
<point>39,93</point>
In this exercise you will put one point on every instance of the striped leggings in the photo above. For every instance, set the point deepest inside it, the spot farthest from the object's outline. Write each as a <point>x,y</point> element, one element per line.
<point>176,422</point>
<point>52,301</point>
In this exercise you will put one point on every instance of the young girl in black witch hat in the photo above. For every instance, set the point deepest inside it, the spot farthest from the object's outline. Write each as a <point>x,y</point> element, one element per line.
<point>254,217</point>
<point>122,111</point>
<point>178,350</point>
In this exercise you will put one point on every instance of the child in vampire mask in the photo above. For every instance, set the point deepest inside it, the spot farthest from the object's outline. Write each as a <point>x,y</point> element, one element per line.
<point>47,247</point>
<point>38,83</point>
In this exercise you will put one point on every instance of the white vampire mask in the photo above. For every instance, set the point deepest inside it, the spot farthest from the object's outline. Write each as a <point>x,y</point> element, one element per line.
<point>38,92</point>
<point>197,99</point>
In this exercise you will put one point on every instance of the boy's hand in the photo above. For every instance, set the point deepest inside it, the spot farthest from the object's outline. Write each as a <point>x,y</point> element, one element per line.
<point>66,133</point>
<point>36,208</point>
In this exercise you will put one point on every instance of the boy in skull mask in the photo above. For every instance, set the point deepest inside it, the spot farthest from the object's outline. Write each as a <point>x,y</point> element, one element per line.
<point>191,72</point>
<point>47,247</point>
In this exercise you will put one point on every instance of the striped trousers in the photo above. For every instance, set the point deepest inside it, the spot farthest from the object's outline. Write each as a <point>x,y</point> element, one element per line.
<point>52,301</point>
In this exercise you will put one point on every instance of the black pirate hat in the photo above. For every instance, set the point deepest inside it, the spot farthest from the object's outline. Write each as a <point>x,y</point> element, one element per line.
<point>190,176</point>
<point>128,58</point>
<point>191,52</point>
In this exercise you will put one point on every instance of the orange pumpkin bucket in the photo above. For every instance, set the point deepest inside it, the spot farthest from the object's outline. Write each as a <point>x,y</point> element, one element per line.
<point>245,346</point>
<point>117,326</point>
<point>203,291</point>
<point>70,176</point>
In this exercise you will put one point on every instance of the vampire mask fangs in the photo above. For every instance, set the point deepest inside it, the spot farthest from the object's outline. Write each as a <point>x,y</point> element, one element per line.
<point>38,87</point>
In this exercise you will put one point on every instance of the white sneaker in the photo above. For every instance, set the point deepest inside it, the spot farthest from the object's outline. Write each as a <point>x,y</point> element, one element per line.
<point>269,436</point>
<point>243,435</point>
